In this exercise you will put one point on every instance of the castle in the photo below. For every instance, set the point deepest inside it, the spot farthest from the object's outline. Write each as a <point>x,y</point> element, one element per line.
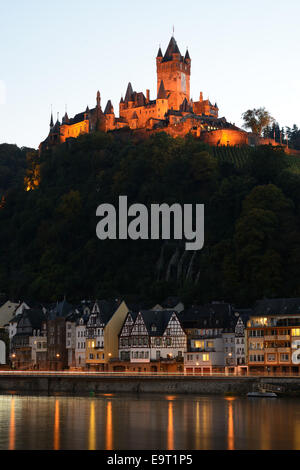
<point>173,111</point>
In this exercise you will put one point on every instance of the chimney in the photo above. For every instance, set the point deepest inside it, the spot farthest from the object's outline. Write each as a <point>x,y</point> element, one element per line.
<point>201,96</point>
<point>147,96</point>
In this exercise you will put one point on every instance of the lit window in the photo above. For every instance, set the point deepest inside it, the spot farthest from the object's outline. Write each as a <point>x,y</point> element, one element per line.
<point>205,357</point>
<point>295,331</point>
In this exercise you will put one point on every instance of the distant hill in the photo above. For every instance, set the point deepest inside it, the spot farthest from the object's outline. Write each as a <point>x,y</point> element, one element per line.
<point>48,241</point>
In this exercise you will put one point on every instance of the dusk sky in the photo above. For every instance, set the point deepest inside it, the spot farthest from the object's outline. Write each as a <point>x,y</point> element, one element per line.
<point>245,54</point>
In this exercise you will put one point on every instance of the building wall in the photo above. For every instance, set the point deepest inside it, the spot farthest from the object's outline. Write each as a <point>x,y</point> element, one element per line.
<point>230,137</point>
<point>2,352</point>
<point>80,345</point>
<point>74,130</point>
<point>176,78</point>
<point>112,330</point>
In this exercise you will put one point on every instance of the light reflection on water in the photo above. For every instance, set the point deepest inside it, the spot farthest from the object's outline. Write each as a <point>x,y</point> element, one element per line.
<point>112,421</point>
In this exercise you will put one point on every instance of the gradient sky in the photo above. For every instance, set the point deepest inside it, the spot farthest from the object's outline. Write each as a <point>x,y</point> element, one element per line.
<point>245,54</point>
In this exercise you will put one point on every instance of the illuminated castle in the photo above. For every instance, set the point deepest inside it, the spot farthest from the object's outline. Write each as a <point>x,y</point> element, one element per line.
<point>173,111</point>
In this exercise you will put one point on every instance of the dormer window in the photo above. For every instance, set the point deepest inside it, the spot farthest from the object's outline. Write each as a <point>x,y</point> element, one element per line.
<point>153,328</point>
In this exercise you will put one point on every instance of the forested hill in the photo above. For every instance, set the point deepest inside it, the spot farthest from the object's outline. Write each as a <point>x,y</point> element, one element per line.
<point>12,166</point>
<point>48,237</point>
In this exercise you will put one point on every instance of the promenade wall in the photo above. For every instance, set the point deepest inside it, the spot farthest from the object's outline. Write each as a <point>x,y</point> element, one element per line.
<point>82,384</point>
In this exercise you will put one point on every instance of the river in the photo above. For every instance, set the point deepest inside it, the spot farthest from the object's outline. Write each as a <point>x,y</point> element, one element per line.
<point>134,422</point>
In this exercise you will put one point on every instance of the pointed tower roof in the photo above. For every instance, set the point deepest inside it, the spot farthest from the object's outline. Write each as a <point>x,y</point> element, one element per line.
<point>159,54</point>
<point>129,93</point>
<point>187,55</point>
<point>87,109</point>
<point>109,108</point>
<point>65,118</point>
<point>171,49</point>
<point>121,101</point>
<point>51,120</point>
<point>162,95</point>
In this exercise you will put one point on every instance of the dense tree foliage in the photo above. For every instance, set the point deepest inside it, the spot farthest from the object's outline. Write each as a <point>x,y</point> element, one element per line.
<point>257,119</point>
<point>48,237</point>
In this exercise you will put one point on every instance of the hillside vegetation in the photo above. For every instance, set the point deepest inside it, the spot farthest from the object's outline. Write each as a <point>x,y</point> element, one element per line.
<point>48,237</point>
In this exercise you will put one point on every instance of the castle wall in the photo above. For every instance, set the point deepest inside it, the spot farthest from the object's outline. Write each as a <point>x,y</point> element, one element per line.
<point>67,131</point>
<point>144,113</point>
<point>225,137</point>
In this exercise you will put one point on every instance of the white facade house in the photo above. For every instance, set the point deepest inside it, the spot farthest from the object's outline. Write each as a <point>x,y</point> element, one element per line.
<point>240,343</point>
<point>10,310</point>
<point>80,346</point>
<point>205,355</point>
<point>229,349</point>
<point>2,353</point>
<point>38,344</point>
<point>71,340</point>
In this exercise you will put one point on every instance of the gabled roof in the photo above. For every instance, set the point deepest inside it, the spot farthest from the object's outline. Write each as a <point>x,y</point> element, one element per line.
<point>219,315</point>
<point>60,310</point>
<point>162,95</point>
<point>170,302</point>
<point>157,318</point>
<point>107,309</point>
<point>185,107</point>
<point>35,317</point>
<point>171,49</point>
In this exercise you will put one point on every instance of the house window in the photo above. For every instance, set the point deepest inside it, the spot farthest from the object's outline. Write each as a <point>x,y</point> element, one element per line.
<point>205,357</point>
<point>284,357</point>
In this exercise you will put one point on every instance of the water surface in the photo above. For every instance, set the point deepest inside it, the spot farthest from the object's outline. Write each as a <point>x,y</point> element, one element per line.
<point>126,422</point>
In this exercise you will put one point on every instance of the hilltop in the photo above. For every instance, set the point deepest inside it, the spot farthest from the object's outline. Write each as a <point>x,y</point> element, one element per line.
<point>252,232</point>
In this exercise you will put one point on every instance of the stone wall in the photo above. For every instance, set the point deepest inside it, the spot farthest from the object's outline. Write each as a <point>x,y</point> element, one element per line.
<point>104,384</point>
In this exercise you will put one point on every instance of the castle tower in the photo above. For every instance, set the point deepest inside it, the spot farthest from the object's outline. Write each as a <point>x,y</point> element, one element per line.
<point>109,116</point>
<point>174,71</point>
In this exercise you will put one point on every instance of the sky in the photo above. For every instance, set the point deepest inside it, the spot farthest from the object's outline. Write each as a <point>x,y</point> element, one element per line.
<point>245,55</point>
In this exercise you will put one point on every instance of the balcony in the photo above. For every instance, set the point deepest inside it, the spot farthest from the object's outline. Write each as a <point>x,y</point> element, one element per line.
<point>284,350</point>
<point>270,337</point>
<point>270,350</point>
<point>209,336</point>
<point>284,337</point>
<point>201,350</point>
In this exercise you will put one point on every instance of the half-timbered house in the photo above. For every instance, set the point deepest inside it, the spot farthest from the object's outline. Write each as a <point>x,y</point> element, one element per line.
<point>152,336</point>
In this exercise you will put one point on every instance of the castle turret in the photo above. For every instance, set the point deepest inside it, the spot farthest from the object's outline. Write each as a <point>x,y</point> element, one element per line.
<point>98,99</point>
<point>129,96</point>
<point>159,56</point>
<point>174,70</point>
<point>109,116</point>
<point>51,121</point>
<point>161,102</point>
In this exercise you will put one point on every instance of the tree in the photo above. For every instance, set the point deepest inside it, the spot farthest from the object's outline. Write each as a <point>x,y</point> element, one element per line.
<point>257,120</point>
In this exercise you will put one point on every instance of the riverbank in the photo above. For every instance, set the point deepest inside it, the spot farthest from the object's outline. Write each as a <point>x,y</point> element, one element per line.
<point>73,383</point>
